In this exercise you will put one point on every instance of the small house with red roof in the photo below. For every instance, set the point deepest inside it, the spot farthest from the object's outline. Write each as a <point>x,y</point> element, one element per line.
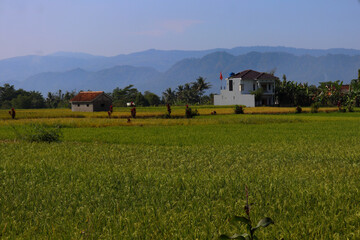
<point>91,101</point>
<point>240,89</point>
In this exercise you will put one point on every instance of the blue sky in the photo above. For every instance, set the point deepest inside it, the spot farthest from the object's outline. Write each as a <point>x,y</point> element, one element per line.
<point>111,27</point>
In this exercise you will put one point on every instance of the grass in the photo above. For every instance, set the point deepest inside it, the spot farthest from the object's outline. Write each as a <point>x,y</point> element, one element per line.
<point>183,178</point>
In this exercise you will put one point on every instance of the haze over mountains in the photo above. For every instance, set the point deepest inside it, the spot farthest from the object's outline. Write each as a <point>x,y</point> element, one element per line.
<point>156,70</point>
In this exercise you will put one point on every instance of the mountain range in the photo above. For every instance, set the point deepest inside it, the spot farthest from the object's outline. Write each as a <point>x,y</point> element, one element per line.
<point>156,70</point>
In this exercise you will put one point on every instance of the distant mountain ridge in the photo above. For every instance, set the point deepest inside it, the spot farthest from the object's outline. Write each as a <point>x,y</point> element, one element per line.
<point>297,68</point>
<point>79,79</point>
<point>303,68</point>
<point>21,68</point>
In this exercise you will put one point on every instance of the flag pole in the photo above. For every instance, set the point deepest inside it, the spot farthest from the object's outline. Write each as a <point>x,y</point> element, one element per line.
<point>221,78</point>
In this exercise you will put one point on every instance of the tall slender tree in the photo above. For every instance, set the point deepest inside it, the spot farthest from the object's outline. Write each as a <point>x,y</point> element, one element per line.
<point>201,85</point>
<point>169,96</point>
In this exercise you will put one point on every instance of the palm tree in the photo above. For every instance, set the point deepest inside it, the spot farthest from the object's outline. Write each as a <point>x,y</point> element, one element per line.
<point>169,96</point>
<point>201,86</point>
<point>180,93</point>
<point>189,93</point>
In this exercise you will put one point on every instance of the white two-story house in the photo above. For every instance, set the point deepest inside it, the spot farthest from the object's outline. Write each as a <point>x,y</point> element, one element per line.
<point>241,86</point>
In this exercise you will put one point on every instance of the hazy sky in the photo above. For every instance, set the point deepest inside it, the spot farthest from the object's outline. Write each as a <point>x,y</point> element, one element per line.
<point>111,27</point>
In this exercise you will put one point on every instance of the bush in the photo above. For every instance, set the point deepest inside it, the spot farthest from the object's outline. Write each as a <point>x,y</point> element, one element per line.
<point>350,105</point>
<point>36,132</point>
<point>239,109</point>
<point>315,107</point>
<point>298,109</point>
<point>189,113</point>
<point>350,108</point>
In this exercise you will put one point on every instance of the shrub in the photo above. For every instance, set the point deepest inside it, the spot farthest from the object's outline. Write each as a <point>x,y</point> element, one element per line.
<point>350,108</point>
<point>189,113</point>
<point>298,109</point>
<point>37,132</point>
<point>239,109</point>
<point>350,105</point>
<point>315,107</point>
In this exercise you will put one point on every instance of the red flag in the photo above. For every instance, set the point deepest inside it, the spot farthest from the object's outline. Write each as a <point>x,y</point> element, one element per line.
<point>221,77</point>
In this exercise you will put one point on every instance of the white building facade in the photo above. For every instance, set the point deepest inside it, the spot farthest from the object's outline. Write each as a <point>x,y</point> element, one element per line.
<point>240,87</point>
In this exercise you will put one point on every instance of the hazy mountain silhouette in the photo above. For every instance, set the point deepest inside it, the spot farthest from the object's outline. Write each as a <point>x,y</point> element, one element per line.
<point>20,68</point>
<point>304,68</point>
<point>78,79</point>
<point>297,68</point>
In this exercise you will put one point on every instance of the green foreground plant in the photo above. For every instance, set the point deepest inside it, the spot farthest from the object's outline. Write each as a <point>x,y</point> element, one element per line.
<point>250,235</point>
<point>38,132</point>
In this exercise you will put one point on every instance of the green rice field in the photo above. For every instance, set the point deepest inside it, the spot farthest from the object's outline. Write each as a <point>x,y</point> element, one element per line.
<point>156,178</point>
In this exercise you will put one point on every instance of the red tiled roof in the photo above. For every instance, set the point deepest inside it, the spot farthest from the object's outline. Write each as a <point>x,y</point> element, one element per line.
<point>345,87</point>
<point>86,96</point>
<point>253,75</point>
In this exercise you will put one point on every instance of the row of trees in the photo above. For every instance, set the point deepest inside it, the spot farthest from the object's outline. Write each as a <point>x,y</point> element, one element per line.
<point>190,93</point>
<point>287,93</point>
<point>19,98</point>
<point>131,94</point>
<point>331,93</point>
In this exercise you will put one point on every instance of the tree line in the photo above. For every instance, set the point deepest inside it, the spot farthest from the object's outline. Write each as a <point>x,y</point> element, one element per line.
<point>19,98</point>
<point>287,93</point>
<point>330,93</point>
<point>190,93</point>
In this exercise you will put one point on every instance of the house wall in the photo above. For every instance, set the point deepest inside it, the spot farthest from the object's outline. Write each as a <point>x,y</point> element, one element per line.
<point>102,103</point>
<point>234,98</point>
<point>246,84</point>
<point>82,107</point>
<point>241,93</point>
<point>266,100</point>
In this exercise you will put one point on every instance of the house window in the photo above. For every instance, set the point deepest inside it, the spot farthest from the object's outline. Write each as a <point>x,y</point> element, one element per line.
<point>230,85</point>
<point>241,87</point>
<point>269,87</point>
<point>254,87</point>
<point>102,105</point>
<point>87,105</point>
<point>78,105</point>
